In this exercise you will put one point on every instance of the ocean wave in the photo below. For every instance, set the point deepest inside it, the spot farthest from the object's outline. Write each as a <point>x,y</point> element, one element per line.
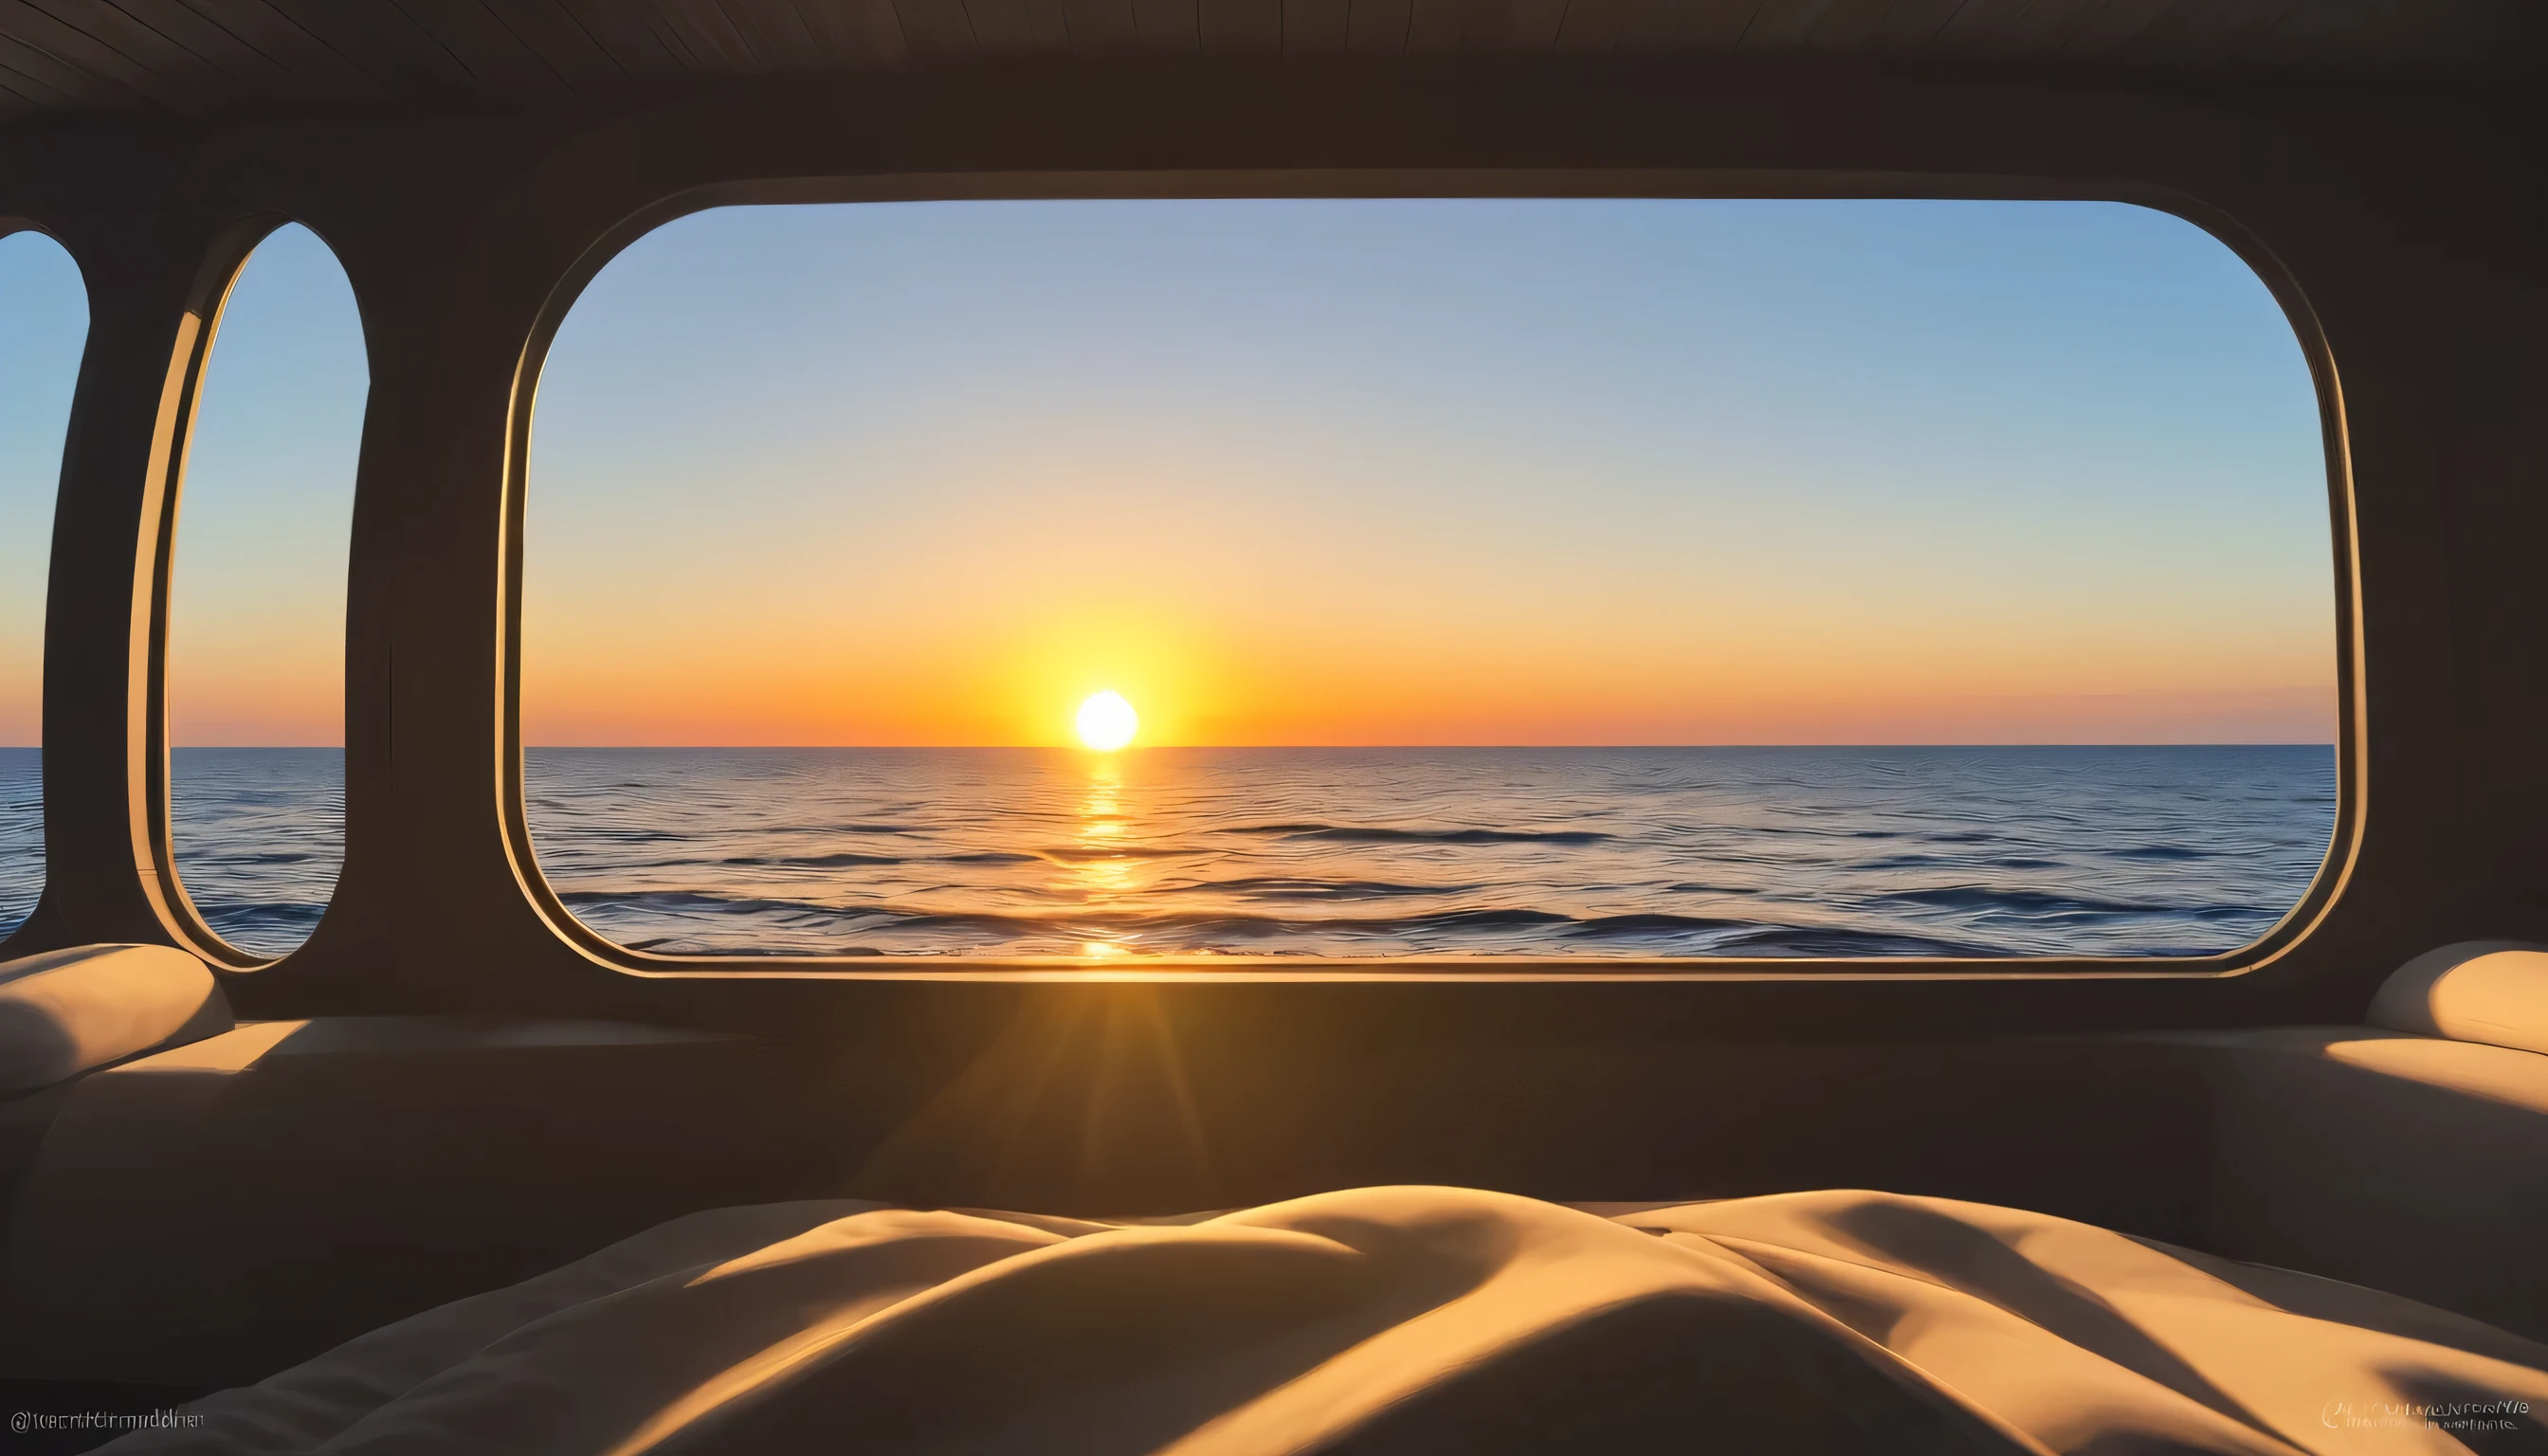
<point>706,901</point>
<point>814,861</point>
<point>1379,835</point>
<point>624,836</point>
<point>1076,855</point>
<point>265,926</point>
<point>694,902</point>
<point>1973,898</point>
<point>1785,940</point>
<point>1584,852</point>
<point>1277,887</point>
<point>1649,923</point>
<point>1187,929</point>
<point>1955,861</point>
<point>1207,932</point>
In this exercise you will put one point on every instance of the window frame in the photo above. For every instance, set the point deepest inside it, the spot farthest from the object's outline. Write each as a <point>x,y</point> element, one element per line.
<point>2310,911</point>
<point>11,225</point>
<point>171,448</point>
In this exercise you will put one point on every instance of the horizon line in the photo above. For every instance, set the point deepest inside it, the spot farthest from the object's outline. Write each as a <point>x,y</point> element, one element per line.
<point>1319,746</point>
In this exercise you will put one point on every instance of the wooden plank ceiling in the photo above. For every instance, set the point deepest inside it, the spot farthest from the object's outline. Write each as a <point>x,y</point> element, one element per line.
<point>203,60</point>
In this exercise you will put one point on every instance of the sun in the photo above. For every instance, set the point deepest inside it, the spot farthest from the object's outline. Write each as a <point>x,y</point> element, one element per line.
<point>1107,722</point>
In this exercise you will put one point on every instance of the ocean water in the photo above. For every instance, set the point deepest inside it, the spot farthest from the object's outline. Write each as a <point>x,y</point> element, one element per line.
<point>1376,852</point>
<point>22,834</point>
<point>259,832</point>
<point>1328,852</point>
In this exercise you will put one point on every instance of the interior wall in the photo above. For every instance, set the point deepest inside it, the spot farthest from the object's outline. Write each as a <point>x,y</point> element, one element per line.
<point>208,1215</point>
<point>213,1214</point>
<point>2408,225</point>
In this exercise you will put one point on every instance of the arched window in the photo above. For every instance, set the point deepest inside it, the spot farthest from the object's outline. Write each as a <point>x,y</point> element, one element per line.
<point>43,320</point>
<point>256,621</point>
<point>1558,577</point>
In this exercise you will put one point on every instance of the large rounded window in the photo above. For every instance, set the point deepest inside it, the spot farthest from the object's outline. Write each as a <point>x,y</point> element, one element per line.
<point>1579,578</point>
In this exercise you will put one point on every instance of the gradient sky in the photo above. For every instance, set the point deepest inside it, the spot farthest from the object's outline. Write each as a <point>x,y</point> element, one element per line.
<point>43,320</point>
<point>256,621</point>
<point>1429,472</point>
<point>1306,472</point>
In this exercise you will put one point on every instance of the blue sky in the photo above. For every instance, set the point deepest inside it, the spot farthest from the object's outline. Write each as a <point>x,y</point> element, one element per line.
<point>1390,471</point>
<point>1441,469</point>
<point>256,628</point>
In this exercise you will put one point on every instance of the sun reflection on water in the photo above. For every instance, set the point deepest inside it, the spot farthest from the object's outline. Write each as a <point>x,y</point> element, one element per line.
<point>1103,874</point>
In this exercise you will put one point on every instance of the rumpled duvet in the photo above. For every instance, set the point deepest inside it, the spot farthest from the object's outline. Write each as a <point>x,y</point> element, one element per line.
<point>1403,1320</point>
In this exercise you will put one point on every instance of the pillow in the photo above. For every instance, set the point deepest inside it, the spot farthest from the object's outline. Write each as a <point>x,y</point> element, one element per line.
<point>2492,991</point>
<point>64,1011</point>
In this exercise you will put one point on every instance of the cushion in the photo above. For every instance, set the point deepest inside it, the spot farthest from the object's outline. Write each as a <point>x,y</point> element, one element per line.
<point>2490,991</point>
<point>65,1012</point>
<point>1397,1321</point>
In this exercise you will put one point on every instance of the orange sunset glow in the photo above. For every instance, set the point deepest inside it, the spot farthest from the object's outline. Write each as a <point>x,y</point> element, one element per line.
<point>1321,486</point>
<point>1634,664</point>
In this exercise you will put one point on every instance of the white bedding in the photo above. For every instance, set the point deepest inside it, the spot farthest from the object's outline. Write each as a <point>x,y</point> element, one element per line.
<point>1402,1321</point>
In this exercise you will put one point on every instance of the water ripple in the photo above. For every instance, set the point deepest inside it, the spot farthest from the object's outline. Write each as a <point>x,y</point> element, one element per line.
<point>1382,852</point>
<point>1584,852</point>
